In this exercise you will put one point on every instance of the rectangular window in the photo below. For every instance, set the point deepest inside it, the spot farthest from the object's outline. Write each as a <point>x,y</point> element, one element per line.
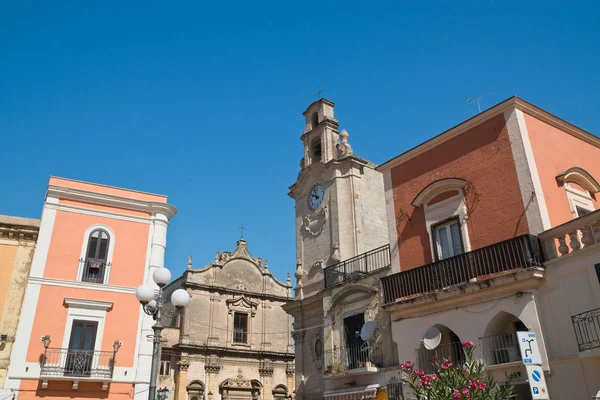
<point>165,364</point>
<point>240,328</point>
<point>448,239</point>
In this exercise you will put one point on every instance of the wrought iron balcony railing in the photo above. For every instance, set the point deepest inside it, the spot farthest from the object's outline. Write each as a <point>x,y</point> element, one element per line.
<point>93,271</point>
<point>452,352</point>
<point>500,349</point>
<point>519,253</point>
<point>347,358</point>
<point>587,329</point>
<point>356,267</point>
<point>78,363</point>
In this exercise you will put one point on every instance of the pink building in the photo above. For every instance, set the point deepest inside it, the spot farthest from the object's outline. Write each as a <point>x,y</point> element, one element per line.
<point>82,333</point>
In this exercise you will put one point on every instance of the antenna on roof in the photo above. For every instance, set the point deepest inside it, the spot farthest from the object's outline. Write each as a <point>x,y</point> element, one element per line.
<point>478,100</point>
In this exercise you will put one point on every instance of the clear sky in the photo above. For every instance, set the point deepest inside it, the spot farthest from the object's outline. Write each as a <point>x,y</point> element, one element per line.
<point>202,101</point>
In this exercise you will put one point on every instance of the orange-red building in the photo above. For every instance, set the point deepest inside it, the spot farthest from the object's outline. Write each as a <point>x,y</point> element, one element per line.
<point>82,332</point>
<point>493,229</point>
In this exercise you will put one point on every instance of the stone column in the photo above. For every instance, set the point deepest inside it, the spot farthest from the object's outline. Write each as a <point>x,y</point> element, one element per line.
<point>181,381</point>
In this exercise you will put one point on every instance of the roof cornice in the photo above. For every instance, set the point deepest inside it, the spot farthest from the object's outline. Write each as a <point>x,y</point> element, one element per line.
<point>511,103</point>
<point>150,207</point>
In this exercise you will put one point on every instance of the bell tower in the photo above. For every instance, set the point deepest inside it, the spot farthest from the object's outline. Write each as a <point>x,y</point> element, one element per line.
<point>320,133</point>
<point>340,201</point>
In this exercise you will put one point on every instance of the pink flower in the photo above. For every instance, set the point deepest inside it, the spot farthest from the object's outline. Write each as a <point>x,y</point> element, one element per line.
<point>482,386</point>
<point>472,384</point>
<point>465,390</point>
<point>467,344</point>
<point>401,366</point>
<point>456,394</point>
<point>434,377</point>
<point>465,372</point>
<point>445,366</point>
<point>408,363</point>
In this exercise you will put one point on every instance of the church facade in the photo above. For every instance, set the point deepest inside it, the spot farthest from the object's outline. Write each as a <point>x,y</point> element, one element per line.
<point>342,336</point>
<point>234,340</point>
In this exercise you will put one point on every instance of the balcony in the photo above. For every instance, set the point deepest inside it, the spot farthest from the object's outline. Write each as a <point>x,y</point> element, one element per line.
<point>451,351</point>
<point>520,253</point>
<point>76,365</point>
<point>587,329</point>
<point>581,232</point>
<point>93,271</point>
<point>500,349</point>
<point>357,267</point>
<point>357,359</point>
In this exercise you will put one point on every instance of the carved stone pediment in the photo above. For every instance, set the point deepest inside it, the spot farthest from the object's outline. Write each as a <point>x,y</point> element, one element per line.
<point>239,382</point>
<point>242,302</point>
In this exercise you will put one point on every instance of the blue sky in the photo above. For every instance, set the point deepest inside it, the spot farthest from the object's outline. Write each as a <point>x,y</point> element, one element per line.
<point>202,101</point>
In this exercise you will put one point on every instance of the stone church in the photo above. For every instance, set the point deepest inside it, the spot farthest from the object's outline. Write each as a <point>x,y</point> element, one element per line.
<point>234,340</point>
<point>342,250</point>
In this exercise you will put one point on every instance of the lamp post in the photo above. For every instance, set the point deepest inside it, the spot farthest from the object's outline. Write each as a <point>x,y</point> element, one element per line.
<point>154,305</point>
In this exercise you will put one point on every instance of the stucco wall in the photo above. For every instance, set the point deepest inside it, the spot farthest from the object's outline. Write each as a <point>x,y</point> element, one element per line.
<point>482,156</point>
<point>555,151</point>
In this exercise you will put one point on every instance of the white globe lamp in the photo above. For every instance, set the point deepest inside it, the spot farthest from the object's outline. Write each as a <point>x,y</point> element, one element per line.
<point>161,276</point>
<point>144,293</point>
<point>180,298</point>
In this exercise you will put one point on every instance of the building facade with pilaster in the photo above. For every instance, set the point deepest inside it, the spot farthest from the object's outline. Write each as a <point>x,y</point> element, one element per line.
<point>82,332</point>
<point>234,339</point>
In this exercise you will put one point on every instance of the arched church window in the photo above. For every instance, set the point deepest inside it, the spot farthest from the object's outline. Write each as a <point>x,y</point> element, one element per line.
<point>316,150</point>
<point>314,120</point>
<point>96,256</point>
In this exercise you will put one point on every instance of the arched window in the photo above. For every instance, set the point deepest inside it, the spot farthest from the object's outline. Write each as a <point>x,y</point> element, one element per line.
<point>581,189</point>
<point>96,256</point>
<point>314,120</point>
<point>316,150</point>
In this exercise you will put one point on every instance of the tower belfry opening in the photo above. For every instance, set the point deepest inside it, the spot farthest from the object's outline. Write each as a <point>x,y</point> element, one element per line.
<point>316,149</point>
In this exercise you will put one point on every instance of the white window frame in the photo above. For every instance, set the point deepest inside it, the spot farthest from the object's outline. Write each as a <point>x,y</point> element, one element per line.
<point>86,310</point>
<point>447,224</point>
<point>439,212</point>
<point>109,256</point>
<point>577,197</point>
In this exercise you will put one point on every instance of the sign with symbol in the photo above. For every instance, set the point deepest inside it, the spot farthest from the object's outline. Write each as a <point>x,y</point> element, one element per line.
<point>530,352</point>
<point>537,382</point>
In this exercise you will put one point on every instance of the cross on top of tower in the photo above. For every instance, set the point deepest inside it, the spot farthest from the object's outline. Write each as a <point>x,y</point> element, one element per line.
<point>319,91</point>
<point>242,229</point>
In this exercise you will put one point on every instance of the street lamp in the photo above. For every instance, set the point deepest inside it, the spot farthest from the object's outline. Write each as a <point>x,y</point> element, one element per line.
<point>154,305</point>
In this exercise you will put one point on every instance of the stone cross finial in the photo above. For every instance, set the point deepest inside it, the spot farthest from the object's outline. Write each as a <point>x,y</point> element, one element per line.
<point>189,262</point>
<point>266,265</point>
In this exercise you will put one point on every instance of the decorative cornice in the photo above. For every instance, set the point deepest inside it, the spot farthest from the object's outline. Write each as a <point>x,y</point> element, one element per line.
<point>221,289</point>
<point>212,368</point>
<point>216,350</point>
<point>88,304</point>
<point>183,364</point>
<point>149,207</point>
<point>16,228</point>
<point>81,285</point>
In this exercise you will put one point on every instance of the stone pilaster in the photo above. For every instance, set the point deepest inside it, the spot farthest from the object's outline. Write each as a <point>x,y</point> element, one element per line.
<point>212,368</point>
<point>181,381</point>
<point>290,371</point>
<point>266,373</point>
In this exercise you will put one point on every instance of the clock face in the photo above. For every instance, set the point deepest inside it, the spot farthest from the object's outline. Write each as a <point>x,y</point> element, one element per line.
<point>316,196</point>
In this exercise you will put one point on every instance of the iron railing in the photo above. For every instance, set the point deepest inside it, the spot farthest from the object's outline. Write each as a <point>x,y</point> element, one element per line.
<point>240,336</point>
<point>587,329</point>
<point>93,271</point>
<point>356,267</point>
<point>518,253</point>
<point>452,352</point>
<point>500,349</point>
<point>346,358</point>
<point>78,363</point>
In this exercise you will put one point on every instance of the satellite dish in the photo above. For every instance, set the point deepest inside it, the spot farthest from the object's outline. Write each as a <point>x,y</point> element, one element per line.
<point>432,338</point>
<point>367,330</point>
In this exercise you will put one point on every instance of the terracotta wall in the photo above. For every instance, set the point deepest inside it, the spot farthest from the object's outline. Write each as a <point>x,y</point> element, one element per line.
<point>121,321</point>
<point>129,257</point>
<point>555,151</point>
<point>62,390</point>
<point>482,156</point>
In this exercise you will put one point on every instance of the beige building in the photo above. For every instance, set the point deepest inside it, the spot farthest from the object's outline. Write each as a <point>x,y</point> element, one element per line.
<point>342,251</point>
<point>17,243</point>
<point>234,340</point>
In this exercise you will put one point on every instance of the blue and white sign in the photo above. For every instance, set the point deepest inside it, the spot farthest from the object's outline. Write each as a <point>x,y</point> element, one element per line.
<point>537,382</point>
<point>530,352</point>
